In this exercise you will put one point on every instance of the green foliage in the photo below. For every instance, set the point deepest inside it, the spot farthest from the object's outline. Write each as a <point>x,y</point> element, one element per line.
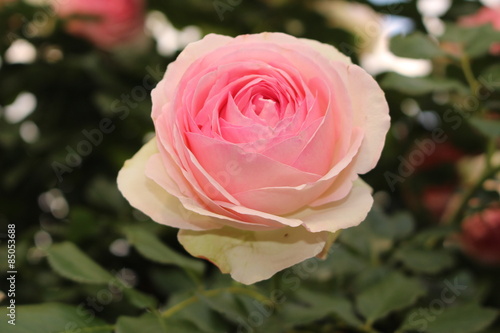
<point>52,317</point>
<point>67,260</point>
<point>153,249</point>
<point>421,85</point>
<point>464,318</point>
<point>393,292</point>
<point>475,41</point>
<point>488,127</point>
<point>416,45</point>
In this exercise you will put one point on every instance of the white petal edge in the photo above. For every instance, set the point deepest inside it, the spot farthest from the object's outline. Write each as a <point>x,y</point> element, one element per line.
<point>370,112</point>
<point>342,214</point>
<point>151,199</point>
<point>328,51</point>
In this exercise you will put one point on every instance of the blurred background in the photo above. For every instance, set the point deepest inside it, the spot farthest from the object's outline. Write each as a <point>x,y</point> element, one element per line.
<point>75,82</point>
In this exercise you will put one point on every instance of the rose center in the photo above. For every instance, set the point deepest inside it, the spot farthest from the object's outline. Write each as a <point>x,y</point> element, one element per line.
<point>266,109</point>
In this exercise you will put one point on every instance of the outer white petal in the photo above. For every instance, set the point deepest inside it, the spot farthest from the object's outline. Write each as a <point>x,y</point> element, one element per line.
<point>370,112</point>
<point>370,109</point>
<point>150,198</point>
<point>327,51</point>
<point>341,214</point>
<point>252,256</point>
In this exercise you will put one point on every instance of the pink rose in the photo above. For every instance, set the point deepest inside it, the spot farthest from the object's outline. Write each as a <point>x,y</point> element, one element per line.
<point>481,236</point>
<point>259,143</point>
<point>106,23</point>
<point>484,15</point>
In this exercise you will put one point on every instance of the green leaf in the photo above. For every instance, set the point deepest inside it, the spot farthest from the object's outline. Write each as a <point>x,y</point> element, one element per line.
<point>490,78</point>
<point>488,127</point>
<point>203,317</point>
<point>140,299</point>
<point>104,193</point>
<point>226,304</point>
<point>70,262</point>
<point>150,323</point>
<point>52,318</point>
<point>313,306</point>
<point>419,85</point>
<point>344,262</point>
<point>363,240</point>
<point>425,261</point>
<point>392,293</point>
<point>148,245</point>
<point>475,41</point>
<point>416,46</point>
<point>397,227</point>
<point>144,323</point>
<point>465,318</point>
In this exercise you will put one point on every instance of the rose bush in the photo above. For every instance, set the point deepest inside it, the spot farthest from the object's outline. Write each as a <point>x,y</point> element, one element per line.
<point>259,143</point>
<point>107,24</point>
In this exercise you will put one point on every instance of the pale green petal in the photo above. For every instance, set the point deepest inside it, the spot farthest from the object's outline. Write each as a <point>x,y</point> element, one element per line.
<point>252,256</point>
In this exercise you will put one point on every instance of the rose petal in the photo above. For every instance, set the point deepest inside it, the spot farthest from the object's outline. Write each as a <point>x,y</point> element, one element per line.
<point>232,163</point>
<point>342,214</point>
<point>208,208</point>
<point>337,183</point>
<point>370,112</point>
<point>151,199</point>
<point>161,95</point>
<point>253,256</point>
<point>327,51</point>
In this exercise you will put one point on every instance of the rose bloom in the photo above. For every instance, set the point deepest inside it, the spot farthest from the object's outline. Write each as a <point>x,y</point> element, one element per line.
<point>259,143</point>
<point>481,236</point>
<point>106,23</point>
<point>484,15</point>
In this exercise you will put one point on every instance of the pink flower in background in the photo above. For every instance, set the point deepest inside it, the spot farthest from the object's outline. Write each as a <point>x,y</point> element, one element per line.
<point>484,15</point>
<point>259,143</point>
<point>481,236</point>
<point>106,23</point>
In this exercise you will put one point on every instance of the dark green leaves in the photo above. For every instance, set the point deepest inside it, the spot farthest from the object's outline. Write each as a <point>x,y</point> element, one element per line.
<point>425,261</point>
<point>151,323</point>
<point>487,127</point>
<point>52,318</point>
<point>415,86</point>
<point>416,45</point>
<point>465,318</point>
<point>70,262</point>
<point>470,41</point>
<point>312,306</point>
<point>152,248</point>
<point>145,323</point>
<point>392,293</point>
